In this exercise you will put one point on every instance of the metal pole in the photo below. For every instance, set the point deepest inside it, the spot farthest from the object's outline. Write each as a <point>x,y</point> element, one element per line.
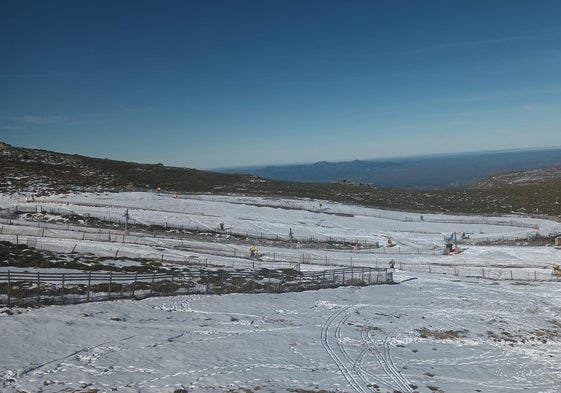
<point>127,222</point>
<point>62,293</point>
<point>38,288</point>
<point>89,286</point>
<point>110,281</point>
<point>134,283</point>
<point>9,288</point>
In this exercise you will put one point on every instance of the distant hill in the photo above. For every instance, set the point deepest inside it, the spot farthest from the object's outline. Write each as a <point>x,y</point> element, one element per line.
<point>521,178</point>
<point>426,172</point>
<point>41,171</point>
<point>28,172</point>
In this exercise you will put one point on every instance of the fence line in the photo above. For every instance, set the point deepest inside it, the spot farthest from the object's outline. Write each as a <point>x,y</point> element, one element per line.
<point>486,272</point>
<point>500,221</point>
<point>480,221</point>
<point>25,288</point>
<point>109,219</point>
<point>50,207</point>
<point>161,248</point>
<point>23,232</point>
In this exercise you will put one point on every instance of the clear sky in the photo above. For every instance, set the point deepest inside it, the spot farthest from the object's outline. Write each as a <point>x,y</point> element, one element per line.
<point>210,84</point>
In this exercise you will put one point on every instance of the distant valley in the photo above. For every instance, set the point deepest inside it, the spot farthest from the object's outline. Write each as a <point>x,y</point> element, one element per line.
<point>423,172</point>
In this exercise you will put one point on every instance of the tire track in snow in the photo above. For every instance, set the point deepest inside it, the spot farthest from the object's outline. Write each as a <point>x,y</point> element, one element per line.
<point>358,377</point>
<point>396,372</point>
<point>331,330</point>
<point>384,358</point>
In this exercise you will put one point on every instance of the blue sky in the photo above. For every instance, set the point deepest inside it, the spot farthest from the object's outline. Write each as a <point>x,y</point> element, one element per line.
<point>210,84</point>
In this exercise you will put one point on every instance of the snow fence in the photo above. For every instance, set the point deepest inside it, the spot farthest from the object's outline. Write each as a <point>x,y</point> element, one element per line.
<point>42,288</point>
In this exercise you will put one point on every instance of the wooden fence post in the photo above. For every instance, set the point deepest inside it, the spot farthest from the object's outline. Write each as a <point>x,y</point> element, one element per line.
<point>38,288</point>
<point>362,274</point>
<point>9,289</point>
<point>89,286</point>
<point>110,282</point>
<point>134,283</point>
<point>62,290</point>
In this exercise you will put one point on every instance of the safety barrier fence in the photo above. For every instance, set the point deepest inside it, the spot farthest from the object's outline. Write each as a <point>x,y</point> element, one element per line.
<point>29,232</point>
<point>186,253</point>
<point>113,215</point>
<point>39,288</point>
<point>175,225</point>
<point>487,272</point>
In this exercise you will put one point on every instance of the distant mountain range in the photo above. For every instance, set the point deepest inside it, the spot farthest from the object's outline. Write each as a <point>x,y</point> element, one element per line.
<point>437,171</point>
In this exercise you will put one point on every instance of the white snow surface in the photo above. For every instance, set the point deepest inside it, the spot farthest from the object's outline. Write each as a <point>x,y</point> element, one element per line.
<point>429,332</point>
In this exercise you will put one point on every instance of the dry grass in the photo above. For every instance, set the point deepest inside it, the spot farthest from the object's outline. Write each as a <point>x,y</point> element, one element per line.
<point>442,334</point>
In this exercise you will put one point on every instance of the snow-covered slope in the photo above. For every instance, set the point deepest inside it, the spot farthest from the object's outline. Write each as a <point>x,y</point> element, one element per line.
<point>431,332</point>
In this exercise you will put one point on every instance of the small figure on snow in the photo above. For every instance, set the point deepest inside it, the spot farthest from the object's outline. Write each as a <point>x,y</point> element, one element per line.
<point>253,252</point>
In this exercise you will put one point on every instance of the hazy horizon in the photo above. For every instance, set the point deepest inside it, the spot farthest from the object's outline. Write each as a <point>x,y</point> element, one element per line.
<point>396,158</point>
